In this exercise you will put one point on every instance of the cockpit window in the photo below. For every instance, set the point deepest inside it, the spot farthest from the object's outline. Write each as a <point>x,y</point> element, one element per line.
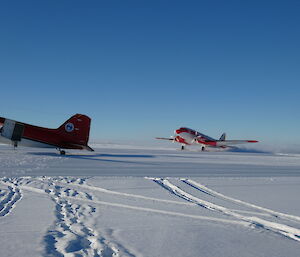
<point>184,130</point>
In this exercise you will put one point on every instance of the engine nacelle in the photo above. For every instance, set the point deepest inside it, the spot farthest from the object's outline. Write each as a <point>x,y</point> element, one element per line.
<point>198,139</point>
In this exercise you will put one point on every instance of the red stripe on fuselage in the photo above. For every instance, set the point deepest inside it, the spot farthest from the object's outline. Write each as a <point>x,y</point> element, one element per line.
<point>46,136</point>
<point>210,143</point>
<point>181,140</point>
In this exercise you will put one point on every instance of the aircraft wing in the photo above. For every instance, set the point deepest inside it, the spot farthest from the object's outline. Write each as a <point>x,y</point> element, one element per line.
<point>86,147</point>
<point>234,142</point>
<point>165,138</point>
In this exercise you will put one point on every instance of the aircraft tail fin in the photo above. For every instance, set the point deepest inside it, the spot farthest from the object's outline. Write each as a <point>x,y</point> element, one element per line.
<point>223,137</point>
<point>76,130</point>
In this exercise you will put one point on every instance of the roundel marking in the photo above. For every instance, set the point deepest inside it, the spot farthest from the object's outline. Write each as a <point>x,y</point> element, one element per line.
<point>69,127</point>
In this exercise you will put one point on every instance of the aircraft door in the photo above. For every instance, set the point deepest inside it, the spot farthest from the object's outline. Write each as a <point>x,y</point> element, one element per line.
<point>12,130</point>
<point>18,132</point>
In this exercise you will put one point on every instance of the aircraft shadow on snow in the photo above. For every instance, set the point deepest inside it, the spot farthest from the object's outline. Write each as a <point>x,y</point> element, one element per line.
<point>244,150</point>
<point>231,150</point>
<point>96,157</point>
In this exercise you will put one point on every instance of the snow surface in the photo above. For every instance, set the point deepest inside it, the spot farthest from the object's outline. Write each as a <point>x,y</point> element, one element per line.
<point>126,201</point>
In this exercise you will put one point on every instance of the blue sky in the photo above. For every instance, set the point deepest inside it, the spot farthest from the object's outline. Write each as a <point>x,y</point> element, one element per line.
<point>141,69</point>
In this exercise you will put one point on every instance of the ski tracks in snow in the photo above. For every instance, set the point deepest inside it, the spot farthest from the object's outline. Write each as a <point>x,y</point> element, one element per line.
<point>74,233</point>
<point>252,221</point>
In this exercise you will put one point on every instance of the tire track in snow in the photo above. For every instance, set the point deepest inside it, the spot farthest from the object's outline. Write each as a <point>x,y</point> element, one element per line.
<point>287,231</point>
<point>202,188</point>
<point>143,209</point>
<point>106,191</point>
<point>65,181</point>
<point>80,183</point>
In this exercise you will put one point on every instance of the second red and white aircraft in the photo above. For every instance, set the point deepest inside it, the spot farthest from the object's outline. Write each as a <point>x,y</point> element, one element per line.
<point>187,136</point>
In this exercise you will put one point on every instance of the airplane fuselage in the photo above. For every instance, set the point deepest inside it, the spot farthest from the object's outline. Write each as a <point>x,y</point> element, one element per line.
<point>73,134</point>
<point>189,137</point>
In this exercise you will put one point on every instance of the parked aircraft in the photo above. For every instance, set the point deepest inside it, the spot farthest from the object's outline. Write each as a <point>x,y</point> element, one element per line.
<point>186,136</point>
<point>73,134</point>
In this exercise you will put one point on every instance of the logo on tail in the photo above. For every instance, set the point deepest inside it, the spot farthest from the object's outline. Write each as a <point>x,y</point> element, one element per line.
<point>69,127</point>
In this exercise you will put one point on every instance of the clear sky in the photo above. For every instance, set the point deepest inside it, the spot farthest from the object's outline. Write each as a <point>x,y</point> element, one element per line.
<point>142,68</point>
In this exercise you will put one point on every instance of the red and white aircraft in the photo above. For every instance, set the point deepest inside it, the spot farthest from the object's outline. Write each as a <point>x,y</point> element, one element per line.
<point>186,136</point>
<point>73,134</point>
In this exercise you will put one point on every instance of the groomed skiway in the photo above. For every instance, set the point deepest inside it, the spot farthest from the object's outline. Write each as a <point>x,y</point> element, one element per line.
<point>126,201</point>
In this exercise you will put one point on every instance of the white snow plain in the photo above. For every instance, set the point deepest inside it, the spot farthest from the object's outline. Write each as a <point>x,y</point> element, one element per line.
<point>126,201</point>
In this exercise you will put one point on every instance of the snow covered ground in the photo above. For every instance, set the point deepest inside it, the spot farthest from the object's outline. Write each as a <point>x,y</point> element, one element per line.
<point>126,201</point>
